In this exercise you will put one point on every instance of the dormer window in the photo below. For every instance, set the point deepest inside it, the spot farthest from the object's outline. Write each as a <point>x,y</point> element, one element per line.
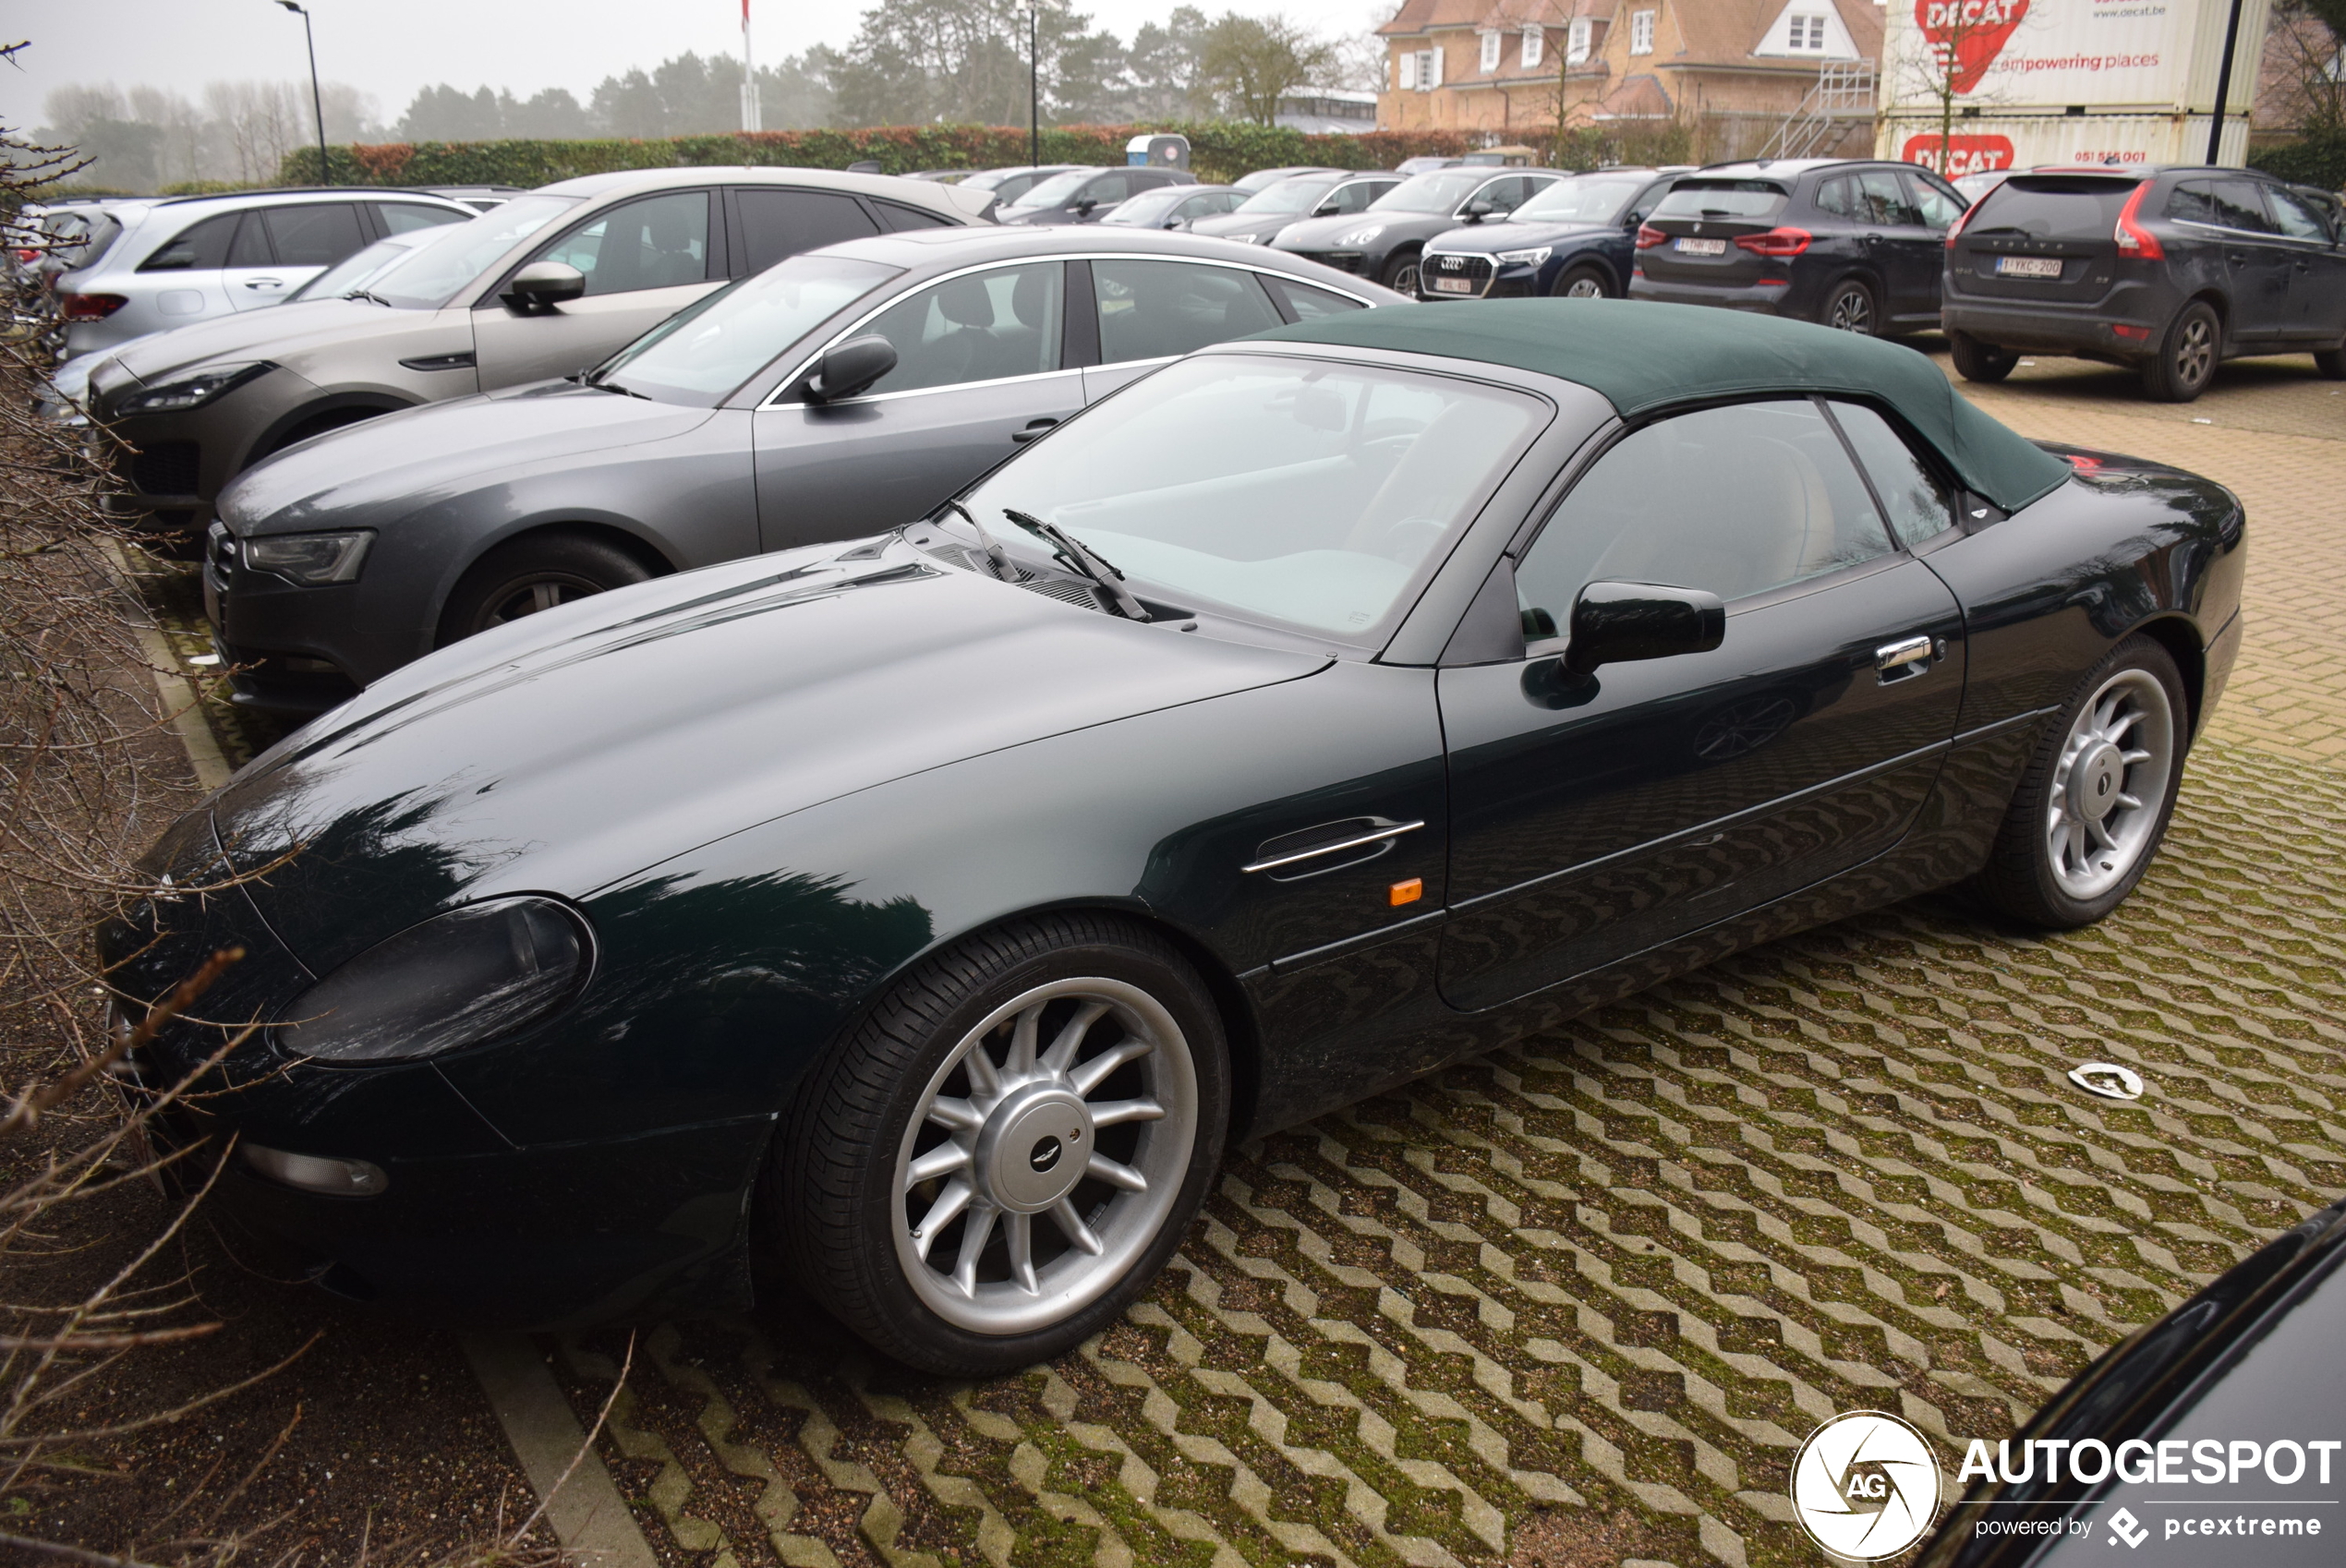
<point>1576,44</point>
<point>1807,32</point>
<point>1492,45</point>
<point>1535,47</point>
<point>1641,32</point>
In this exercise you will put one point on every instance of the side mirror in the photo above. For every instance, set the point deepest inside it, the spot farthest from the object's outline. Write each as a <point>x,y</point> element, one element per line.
<point>1327,209</point>
<point>847,368</point>
<point>541,285</point>
<point>1083,208</point>
<point>1617,623</point>
<point>1476,211</point>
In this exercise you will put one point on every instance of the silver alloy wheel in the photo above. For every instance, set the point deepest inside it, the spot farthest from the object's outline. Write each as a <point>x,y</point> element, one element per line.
<point>2110,784</point>
<point>1032,1176</point>
<point>1585,288</point>
<point>2195,351</point>
<point>1852,312</point>
<point>1405,279</point>
<point>530,596</point>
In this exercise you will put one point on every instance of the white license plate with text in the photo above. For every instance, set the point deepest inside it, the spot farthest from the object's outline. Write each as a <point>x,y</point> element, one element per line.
<point>1452,286</point>
<point>1702,248</point>
<point>2028,266</point>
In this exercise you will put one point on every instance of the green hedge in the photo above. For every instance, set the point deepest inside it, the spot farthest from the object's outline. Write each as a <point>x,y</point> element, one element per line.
<point>1217,152</point>
<point>2318,160</point>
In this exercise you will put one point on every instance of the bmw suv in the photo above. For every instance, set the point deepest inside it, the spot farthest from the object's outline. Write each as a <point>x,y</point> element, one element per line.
<point>2167,270</point>
<point>1854,244</point>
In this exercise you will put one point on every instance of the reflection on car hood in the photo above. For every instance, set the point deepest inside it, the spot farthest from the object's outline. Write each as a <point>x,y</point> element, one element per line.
<point>279,333</point>
<point>403,463</point>
<point>1488,237</point>
<point>579,745</point>
<point>1319,234</point>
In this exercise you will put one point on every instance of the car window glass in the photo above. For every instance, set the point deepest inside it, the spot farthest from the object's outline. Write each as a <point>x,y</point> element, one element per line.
<point>400,217</point>
<point>714,345</point>
<point>250,248</point>
<point>1758,200</point>
<point>1107,188</point>
<point>1355,197</point>
<point>352,271</point>
<point>1294,490</point>
<point>457,255</point>
<point>1438,191</point>
<point>200,247</point>
<point>2238,207</point>
<point>898,217</point>
<point>2191,202</point>
<point>776,223</point>
<point>1308,303</point>
<point>314,236</point>
<point>1150,309</point>
<point>1920,505</point>
<point>1736,500</point>
<point>1838,196</point>
<point>981,327</point>
<point>2071,206</point>
<point>657,243</point>
<point>2296,220</point>
<point>1585,200</point>
<point>1936,207</point>
<point>1882,199</point>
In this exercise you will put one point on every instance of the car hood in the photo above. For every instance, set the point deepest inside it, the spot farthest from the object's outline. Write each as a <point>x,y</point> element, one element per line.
<point>279,333</point>
<point>405,462</point>
<point>1224,224</point>
<point>1322,234</point>
<point>569,749</point>
<point>1486,238</point>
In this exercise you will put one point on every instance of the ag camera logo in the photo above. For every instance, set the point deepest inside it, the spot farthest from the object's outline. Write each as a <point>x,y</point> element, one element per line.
<point>1866,1486</point>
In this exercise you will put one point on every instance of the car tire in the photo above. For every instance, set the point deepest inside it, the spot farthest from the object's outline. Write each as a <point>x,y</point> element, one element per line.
<point>1976,361</point>
<point>1583,282</point>
<point>1850,307</point>
<point>2188,352</point>
<point>844,1202</point>
<point>1400,274</point>
<point>534,573</point>
<point>2117,748</point>
<point>2331,362</point>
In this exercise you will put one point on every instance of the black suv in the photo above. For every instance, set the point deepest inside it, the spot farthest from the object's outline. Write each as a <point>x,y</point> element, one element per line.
<point>1852,244</point>
<point>2166,270</point>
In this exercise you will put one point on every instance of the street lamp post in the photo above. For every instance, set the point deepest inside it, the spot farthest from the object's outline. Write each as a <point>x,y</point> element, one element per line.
<point>317,100</point>
<point>1033,90</point>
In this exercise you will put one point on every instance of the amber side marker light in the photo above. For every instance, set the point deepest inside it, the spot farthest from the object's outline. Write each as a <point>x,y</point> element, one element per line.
<point>1408,892</point>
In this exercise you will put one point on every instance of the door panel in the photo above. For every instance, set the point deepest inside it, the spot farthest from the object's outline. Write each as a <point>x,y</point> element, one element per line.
<point>1591,821</point>
<point>643,260</point>
<point>576,336</point>
<point>251,276</point>
<point>2316,274</point>
<point>2256,259</point>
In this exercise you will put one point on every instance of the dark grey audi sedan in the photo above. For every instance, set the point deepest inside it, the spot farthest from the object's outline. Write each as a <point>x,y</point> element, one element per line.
<point>838,393</point>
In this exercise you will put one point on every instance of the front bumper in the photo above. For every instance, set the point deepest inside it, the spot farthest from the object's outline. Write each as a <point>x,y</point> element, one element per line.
<point>178,463</point>
<point>285,645</point>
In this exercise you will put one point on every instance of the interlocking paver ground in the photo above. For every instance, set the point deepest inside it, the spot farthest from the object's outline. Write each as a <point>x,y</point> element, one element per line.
<point>1579,1302</point>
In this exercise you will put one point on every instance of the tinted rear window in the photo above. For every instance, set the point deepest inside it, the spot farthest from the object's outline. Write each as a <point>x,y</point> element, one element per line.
<point>2055,207</point>
<point>1759,199</point>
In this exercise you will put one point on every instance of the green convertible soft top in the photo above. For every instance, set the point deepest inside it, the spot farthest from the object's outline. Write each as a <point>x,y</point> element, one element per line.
<point>1642,356</point>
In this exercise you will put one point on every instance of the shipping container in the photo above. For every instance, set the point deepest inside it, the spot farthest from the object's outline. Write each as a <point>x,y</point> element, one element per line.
<point>2020,141</point>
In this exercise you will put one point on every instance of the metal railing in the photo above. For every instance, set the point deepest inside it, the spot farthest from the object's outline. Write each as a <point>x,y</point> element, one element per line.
<point>1845,91</point>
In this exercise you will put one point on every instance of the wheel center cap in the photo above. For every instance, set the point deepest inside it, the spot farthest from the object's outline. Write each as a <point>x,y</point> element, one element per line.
<point>1033,1147</point>
<point>2100,777</point>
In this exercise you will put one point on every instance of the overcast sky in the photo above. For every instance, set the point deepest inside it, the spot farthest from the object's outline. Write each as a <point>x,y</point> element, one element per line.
<point>390,48</point>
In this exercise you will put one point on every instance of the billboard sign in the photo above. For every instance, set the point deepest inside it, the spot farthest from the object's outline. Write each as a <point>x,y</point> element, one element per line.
<point>2025,55</point>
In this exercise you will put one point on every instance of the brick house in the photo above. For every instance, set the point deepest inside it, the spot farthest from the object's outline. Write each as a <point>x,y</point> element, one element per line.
<point>1734,68</point>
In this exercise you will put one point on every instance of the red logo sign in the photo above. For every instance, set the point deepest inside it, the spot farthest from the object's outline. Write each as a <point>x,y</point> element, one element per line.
<point>1965,155</point>
<point>1968,35</point>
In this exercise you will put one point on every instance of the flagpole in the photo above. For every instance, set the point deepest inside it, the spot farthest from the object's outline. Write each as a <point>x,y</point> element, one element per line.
<point>751,120</point>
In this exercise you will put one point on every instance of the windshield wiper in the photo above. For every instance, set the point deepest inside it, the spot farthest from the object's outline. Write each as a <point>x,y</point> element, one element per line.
<point>994,555</point>
<point>362,294</point>
<point>588,378</point>
<point>1083,563</point>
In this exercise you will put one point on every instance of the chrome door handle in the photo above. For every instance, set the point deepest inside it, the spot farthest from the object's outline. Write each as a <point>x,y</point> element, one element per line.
<point>264,282</point>
<point>1898,655</point>
<point>1358,840</point>
<point>1034,428</point>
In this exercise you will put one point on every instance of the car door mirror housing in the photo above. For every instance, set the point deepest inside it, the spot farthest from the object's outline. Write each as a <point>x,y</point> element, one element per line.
<point>1327,209</point>
<point>541,285</point>
<point>1476,211</point>
<point>1617,622</point>
<point>1083,208</point>
<point>850,368</point>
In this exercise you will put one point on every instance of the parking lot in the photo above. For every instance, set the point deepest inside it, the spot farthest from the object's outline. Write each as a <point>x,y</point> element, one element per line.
<point>1579,1302</point>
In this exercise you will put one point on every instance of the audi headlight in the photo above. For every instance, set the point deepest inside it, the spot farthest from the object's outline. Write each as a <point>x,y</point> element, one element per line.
<point>311,559</point>
<point>472,975</point>
<point>192,391</point>
<point>1363,237</point>
<point>1531,256</point>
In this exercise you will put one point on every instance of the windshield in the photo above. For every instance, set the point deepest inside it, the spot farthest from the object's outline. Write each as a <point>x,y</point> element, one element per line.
<point>1723,198</point>
<point>1304,494</point>
<point>1436,192</point>
<point>1300,193</point>
<point>1054,192</point>
<point>458,253</point>
<point>706,350</point>
<point>1579,201</point>
<point>356,268</point>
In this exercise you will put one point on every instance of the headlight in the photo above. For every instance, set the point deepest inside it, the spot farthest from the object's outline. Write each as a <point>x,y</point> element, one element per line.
<point>192,392</point>
<point>469,975</point>
<point>1363,237</point>
<point>1529,258</point>
<point>1244,239</point>
<point>311,559</point>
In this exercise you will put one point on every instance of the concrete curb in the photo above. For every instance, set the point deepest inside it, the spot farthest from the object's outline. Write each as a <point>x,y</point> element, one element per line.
<point>588,1514</point>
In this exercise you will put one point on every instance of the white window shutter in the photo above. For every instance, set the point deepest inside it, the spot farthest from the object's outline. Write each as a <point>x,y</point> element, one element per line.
<point>1433,61</point>
<point>1409,71</point>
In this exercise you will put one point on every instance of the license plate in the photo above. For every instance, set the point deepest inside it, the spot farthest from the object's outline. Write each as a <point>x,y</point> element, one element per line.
<point>1702,248</point>
<point>2028,266</point>
<point>1452,286</point>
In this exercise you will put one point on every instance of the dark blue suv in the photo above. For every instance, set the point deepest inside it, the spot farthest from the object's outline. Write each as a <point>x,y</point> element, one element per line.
<point>1572,240</point>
